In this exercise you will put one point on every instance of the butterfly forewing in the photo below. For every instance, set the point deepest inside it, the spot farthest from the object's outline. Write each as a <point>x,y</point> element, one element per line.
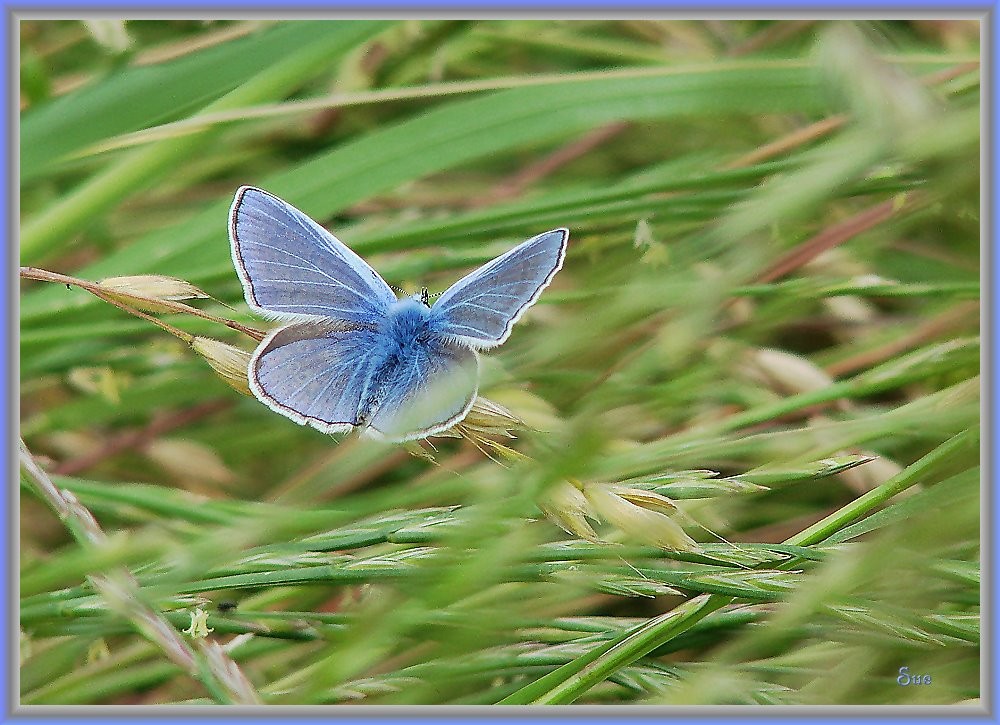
<point>291,266</point>
<point>480,309</point>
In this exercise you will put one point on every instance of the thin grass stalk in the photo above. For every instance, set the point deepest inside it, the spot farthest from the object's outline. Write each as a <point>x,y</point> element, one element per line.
<point>220,675</point>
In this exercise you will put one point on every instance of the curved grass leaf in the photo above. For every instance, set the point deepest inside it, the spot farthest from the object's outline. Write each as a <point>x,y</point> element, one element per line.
<point>139,97</point>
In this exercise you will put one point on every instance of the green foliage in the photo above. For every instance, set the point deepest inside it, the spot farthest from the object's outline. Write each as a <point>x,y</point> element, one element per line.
<point>768,314</point>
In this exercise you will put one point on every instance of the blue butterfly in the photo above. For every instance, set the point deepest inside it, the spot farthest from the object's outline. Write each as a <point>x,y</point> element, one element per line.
<point>355,356</point>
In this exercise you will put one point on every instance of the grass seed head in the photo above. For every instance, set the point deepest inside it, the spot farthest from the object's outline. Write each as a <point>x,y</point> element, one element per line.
<point>142,290</point>
<point>566,506</point>
<point>644,524</point>
<point>229,362</point>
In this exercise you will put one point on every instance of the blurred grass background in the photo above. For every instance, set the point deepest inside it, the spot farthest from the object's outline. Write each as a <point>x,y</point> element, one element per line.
<point>773,276</point>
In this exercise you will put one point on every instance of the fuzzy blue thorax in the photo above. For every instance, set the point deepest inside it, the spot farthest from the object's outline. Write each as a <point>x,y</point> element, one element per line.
<point>406,341</point>
<point>410,322</point>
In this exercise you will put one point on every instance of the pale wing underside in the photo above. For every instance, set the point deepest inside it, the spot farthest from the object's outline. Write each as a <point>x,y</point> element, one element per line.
<point>426,393</point>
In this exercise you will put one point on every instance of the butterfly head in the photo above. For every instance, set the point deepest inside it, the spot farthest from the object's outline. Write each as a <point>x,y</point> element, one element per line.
<point>425,297</point>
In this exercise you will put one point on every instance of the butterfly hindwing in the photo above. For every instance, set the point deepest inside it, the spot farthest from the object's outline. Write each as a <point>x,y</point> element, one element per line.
<point>290,266</point>
<point>428,391</point>
<point>315,373</point>
<point>336,376</point>
<point>481,308</point>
